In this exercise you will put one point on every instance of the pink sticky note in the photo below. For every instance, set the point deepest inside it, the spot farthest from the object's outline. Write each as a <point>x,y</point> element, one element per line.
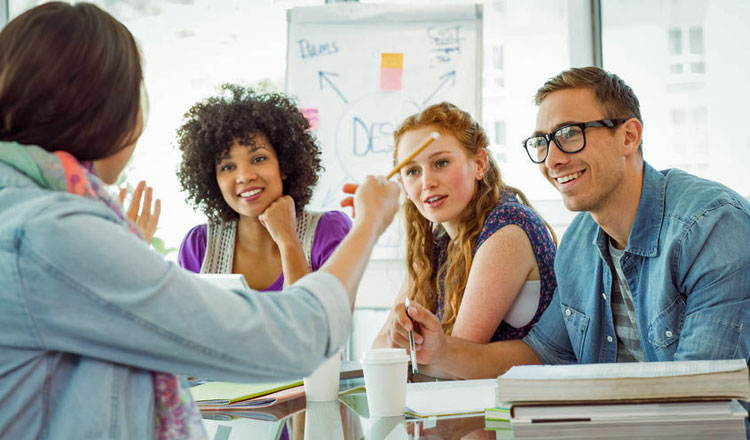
<point>390,78</point>
<point>311,114</point>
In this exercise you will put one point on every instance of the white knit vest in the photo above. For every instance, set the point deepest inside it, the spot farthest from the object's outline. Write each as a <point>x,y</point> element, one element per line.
<point>220,239</point>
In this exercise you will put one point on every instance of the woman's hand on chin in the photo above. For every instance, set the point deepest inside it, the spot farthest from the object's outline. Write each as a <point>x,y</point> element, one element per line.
<point>280,219</point>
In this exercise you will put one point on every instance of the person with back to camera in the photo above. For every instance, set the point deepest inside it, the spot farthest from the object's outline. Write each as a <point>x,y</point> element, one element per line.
<point>250,163</point>
<point>93,324</point>
<point>478,255</point>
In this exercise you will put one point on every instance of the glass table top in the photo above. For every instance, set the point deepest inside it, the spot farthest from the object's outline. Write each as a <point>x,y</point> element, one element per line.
<point>345,419</point>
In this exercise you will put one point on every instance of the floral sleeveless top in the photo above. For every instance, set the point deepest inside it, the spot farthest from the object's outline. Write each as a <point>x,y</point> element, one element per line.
<point>509,211</point>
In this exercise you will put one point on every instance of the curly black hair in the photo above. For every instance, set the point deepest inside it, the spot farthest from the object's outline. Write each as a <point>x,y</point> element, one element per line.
<point>211,128</point>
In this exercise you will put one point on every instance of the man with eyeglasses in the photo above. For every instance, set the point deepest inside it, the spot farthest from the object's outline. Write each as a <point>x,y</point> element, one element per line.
<point>655,267</point>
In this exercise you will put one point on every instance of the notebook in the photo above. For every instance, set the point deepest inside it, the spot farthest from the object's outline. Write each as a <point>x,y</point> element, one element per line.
<point>273,412</point>
<point>449,398</point>
<point>227,393</point>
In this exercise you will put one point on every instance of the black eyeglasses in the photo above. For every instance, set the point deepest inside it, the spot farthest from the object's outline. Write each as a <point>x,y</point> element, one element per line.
<point>569,138</point>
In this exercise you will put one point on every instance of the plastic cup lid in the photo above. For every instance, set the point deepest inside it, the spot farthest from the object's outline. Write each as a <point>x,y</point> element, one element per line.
<point>384,356</point>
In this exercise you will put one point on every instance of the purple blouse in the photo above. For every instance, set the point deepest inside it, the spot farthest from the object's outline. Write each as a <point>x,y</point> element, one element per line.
<point>332,228</point>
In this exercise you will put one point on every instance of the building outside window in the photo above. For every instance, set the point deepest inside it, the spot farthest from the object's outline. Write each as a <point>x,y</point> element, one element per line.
<point>686,53</point>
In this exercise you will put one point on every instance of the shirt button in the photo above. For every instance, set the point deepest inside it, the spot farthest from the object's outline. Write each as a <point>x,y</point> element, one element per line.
<point>669,333</point>
<point>604,295</point>
<point>609,338</point>
<point>568,312</point>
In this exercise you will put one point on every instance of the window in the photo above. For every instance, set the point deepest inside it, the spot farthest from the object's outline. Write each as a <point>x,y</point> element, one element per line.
<point>494,69</point>
<point>686,53</point>
<point>498,142</point>
<point>696,40</point>
<point>500,133</point>
<point>675,42</point>
<point>694,113</point>
<point>497,57</point>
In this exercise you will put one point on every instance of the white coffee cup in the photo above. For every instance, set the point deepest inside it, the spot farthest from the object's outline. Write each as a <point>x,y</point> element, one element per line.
<point>323,421</point>
<point>323,384</point>
<point>385,379</point>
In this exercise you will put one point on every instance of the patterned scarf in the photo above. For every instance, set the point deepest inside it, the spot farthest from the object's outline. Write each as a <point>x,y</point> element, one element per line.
<point>176,416</point>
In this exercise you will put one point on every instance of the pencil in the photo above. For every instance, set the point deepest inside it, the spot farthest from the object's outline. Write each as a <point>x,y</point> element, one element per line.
<point>434,135</point>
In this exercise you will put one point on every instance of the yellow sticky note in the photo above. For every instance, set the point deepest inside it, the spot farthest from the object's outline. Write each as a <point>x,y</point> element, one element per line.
<point>392,60</point>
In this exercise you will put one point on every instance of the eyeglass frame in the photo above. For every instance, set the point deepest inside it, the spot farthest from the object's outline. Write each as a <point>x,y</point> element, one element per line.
<point>551,138</point>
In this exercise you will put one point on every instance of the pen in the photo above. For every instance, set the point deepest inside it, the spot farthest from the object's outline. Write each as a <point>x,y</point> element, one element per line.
<point>412,347</point>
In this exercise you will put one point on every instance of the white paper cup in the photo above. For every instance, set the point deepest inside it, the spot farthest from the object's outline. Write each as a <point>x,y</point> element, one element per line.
<point>385,379</point>
<point>323,421</point>
<point>323,384</point>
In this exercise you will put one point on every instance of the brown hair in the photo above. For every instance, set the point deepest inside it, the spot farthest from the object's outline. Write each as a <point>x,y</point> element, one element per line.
<point>70,79</point>
<point>447,118</point>
<point>615,96</point>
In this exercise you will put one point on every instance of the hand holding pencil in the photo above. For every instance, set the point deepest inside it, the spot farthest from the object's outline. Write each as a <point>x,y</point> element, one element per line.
<point>376,201</point>
<point>351,188</point>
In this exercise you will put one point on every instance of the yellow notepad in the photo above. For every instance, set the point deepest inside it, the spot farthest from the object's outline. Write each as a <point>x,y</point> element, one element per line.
<point>225,393</point>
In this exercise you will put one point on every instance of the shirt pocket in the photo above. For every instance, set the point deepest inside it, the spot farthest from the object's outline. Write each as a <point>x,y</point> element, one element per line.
<point>576,323</point>
<point>710,337</point>
<point>664,330</point>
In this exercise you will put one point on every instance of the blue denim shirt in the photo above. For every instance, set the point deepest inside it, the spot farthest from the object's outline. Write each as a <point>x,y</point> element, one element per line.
<point>687,262</point>
<point>88,311</point>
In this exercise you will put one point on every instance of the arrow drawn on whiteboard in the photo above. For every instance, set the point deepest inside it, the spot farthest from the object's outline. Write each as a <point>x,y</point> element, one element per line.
<point>325,76</point>
<point>446,77</point>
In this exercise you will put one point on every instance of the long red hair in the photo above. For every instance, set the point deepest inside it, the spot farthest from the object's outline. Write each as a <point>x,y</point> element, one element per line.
<point>446,119</point>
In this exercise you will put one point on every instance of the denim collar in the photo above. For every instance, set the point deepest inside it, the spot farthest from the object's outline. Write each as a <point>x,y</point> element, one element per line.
<point>644,235</point>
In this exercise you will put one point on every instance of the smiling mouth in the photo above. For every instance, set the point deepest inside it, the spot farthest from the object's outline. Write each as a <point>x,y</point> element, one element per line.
<point>433,199</point>
<point>569,177</point>
<point>251,192</point>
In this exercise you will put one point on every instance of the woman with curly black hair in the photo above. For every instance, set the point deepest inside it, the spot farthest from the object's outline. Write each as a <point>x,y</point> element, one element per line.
<point>250,164</point>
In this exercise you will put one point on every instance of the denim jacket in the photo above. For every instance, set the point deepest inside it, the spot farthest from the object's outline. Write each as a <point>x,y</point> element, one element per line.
<point>687,263</point>
<point>88,311</point>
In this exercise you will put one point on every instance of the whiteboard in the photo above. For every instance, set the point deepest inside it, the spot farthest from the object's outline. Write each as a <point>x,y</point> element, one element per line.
<point>357,70</point>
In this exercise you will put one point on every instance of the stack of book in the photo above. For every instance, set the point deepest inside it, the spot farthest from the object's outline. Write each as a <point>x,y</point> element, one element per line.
<point>497,419</point>
<point>684,399</point>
